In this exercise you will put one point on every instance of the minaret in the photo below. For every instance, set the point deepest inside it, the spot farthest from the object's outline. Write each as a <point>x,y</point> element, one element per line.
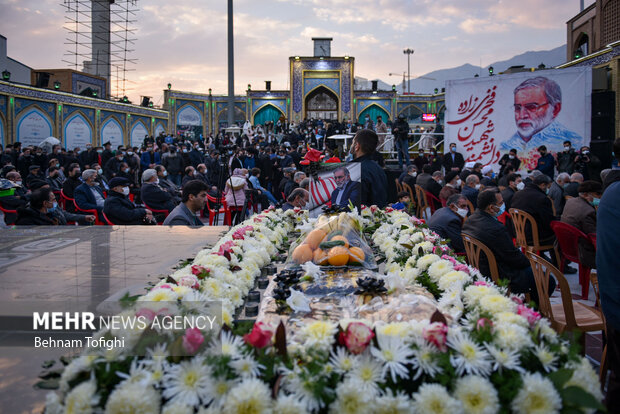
<point>100,40</point>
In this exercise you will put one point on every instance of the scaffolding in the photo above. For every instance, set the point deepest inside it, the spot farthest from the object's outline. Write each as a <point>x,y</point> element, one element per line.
<point>101,37</point>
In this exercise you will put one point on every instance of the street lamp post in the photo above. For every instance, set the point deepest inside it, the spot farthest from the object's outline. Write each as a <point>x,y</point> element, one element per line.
<point>408,52</point>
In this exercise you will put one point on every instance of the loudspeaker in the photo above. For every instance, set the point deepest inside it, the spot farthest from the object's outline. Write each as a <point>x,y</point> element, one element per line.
<point>42,80</point>
<point>267,85</point>
<point>602,128</point>
<point>374,85</point>
<point>145,101</point>
<point>603,103</point>
<point>602,149</point>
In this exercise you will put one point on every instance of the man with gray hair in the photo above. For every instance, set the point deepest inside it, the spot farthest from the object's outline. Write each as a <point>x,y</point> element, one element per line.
<point>89,196</point>
<point>153,196</point>
<point>537,103</point>
<point>346,190</point>
<point>556,192</point>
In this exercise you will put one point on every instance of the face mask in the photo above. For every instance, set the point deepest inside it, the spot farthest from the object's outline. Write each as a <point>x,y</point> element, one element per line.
<point>440,182</point>
<point>230,152</point>
<point>462,212</point>
<point>53,208</point>
<point>459,182</point>
<point>512,157</point>
<point>129,152</point>
<point>184,150</point>
<point>477,187</point>
<point>413,174</point>
<point>595,201</point>
<point>586,152</point>
<point>126,191</point>
<point>165,173</point>
<point>421,154</point>
<point>57,165</point>
<point>567,149</point>
<point>520,186</point>
<point>18,183</point>
<point>127,170</point>
<point>99,151</point>
<point>58,151</point>
<point>501,211</point>
<point>99,172</point>
<point>547,191</point>
<point>156,181</point>
<point>453,149</point>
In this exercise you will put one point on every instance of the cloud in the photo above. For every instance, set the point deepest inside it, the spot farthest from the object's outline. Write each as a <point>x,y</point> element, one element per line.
<point>473,25</point>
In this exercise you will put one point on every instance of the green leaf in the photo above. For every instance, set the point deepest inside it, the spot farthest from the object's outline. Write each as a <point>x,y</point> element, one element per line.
<point>579,397</point>
<point>127,300</point>
<point>51,384</point>
<point>48,364</point>
<point>560,377</point>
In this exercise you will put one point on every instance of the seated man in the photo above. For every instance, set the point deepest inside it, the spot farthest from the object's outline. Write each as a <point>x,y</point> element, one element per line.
<point>167,185</point>
<point>33,175</point>
<point>556,192</point>
<point>346,190</point>
<point>580,212</point>
<point>533,200</point>
<point>56,213</point>
<point>447,221</point>
<point>572,188</point>
<point>89,196</point>
<point>433,186</point>
<point>286,183</point>
<point>73,180</point>
<point>298,198</point>
<point>152,195</point>
<point>19,197</point>
<point>514,184</point>
<point>409,176</point>
<point>194,195</point>
<point>511,262</point>
<point>453,183</point>
<point>488,177</point>
<point>471,189</point>
<point>254,180</point>
<point>36,214</point>
<point>119,210</point>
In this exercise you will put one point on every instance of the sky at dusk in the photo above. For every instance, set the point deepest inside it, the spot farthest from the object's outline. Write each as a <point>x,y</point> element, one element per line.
<point>184,41</point>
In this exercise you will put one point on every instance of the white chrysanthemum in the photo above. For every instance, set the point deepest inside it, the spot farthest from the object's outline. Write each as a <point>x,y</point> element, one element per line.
<point>399,329</point>
<point>585,377</point>
<point>246,367</point>
<point>435,399</point>
<point>425,246</point>
<point>288,404</point>
<point>394,354</point>
<point>53,404</point>
<point>424,360</point>
<point>227,344</point>
<point>368,372</point>
<point>497,303</point>
<point>318,334</point>
<point>439,268</point>
<point>133,398</point>
<point>79,364</point>
<point>546,331</point>
<point>177,407</point>
<point>82,398</point>
<point>181,291</point>
<point>342,360</point>
<point>511,336</point>
<point>470,357</point>
<point>221,388</point>
<point>473,294</point>
<point>302,388</point>
<point>452,280</point>
<point>188,382</point>
<point>349,399</point>
<point>477,395</point>
<point>508,359</point>
<point>250,396</point>
<point>511,317</point>
<point>547,358</point>
<point>391,403</point>
<point>536,396</point>
<point>425,261</point>
<point>159,295</point>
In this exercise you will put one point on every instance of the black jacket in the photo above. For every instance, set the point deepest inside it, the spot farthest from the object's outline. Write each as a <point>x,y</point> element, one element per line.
<point>447,224</point>
<point>374,182</point>
<point>174,164</point>
<point>121,211</point>
<point>156,198</point>
<point>505,161</point>
<point>493,234</point>
<point>458,162</point>
<point>31,217</point>
<point>534,201</point>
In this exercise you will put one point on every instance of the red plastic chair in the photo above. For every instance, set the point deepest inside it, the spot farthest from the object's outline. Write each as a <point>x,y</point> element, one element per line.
<point>94,212</point>
<point>211,203</point>
<point>107,220</point>
<point>13,213</point>
<point>568,238</point>
<point>432,200</point>
<point>155,211</point>
<point>64,201</point>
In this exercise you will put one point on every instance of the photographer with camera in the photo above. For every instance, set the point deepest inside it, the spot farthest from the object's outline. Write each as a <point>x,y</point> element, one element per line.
<point>588,165</point>
<point>400,131</point>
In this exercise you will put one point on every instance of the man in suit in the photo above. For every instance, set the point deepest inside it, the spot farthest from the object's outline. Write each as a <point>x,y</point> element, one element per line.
<point>572,188</point>
<point>423,179</point>
<point>193,201</point>
<point>152,194</point>
<point>346,190</point>
<point>471,189</point>
<point>515,183</point>
<point>149,158</point>
<point>373,188</point>
<point>511,262</point>
<point>453,161</point>
<point>119,210</point>
<point>447,221</point>
<point>433,186</point>
<point>409,176</point>
<point>89,195</point>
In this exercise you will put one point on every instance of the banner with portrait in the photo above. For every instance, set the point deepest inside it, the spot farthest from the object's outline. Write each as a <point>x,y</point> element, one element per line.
<point>337,183</point>
<point>487,117</point>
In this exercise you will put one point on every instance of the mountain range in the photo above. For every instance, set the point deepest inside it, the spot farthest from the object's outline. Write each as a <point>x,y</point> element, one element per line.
<point>426,83</point>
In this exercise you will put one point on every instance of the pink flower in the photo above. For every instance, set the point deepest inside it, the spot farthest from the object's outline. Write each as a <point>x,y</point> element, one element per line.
<point>192,340</point>
<point>164,286</point>
<point>147,313</point>
<point>528,313</point>
<point>200,271</point>
<point>517,300</point>
<point>189,281</point>
<point>297,210</point>
<point>389,209</point>
<point>461,268</point>
<point>449,258</point>
<point>437,250</point>
<point>481,283</point>
<point>436,333</point>
<point>356,338</point>
<point>374,209</point>
<point>259,337</point>
<point>484,323</point>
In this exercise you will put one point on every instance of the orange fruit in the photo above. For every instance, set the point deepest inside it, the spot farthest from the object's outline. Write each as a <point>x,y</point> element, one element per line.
<point>302,254</point>
<point>338,256</point>
<point>320,257</point>
<point>356,255</point>
<point>341,238</point>
<point>315,237</point>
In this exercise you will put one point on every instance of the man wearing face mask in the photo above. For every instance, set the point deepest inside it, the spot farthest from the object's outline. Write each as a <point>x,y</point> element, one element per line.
<point>488,177</point>
<point>409,176</point>
<point>173,163</point>
<point>420,161</point>
<point>149,158</point>
<point>580,212</point>
<point>167,185</point>
<point>533,200</point>
<point>566,159</point>
<point>453,161</point>
<point>153,195</point>
<point>447,221</point>
<point>545,163</point>
<point>453,184</point>
<point>509,160</point>
<point>515,183</point>
<point>511,262</point>
<point>471,189</point>
<point>113,166</point>
<point>53,179</point>
<point>119,210</point>
<point>588,165</point>
<point>89,196</point>
<point>556,192</point>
